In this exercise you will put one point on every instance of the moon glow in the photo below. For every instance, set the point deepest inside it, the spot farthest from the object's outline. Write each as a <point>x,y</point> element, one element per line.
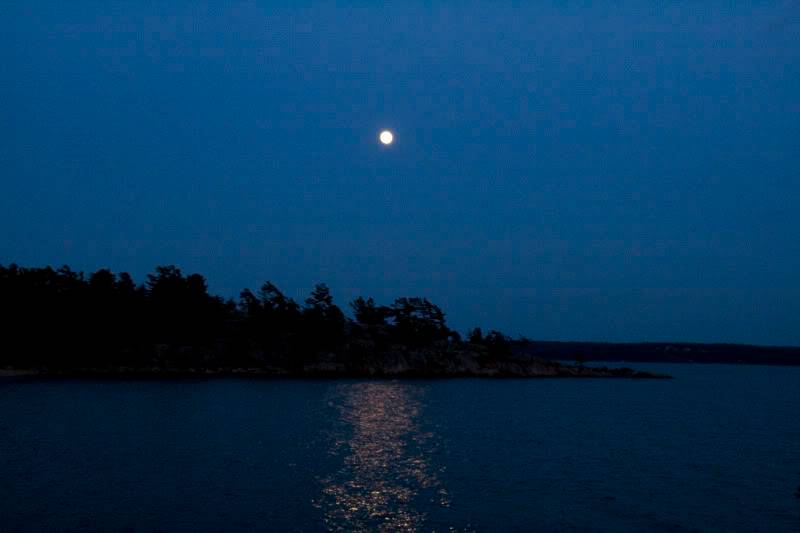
<point>386,137</point>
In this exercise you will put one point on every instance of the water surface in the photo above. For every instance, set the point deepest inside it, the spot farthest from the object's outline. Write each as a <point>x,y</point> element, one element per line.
<point>717,449</point>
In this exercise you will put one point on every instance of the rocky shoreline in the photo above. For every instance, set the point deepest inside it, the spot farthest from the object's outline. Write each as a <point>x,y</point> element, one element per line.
<point>399,366</point>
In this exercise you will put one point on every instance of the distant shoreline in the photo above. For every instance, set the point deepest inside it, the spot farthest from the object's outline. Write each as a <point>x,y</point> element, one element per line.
<point>659,352</point>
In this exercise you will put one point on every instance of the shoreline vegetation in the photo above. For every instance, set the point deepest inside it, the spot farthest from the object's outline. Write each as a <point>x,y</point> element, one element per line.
<point>58,322</point>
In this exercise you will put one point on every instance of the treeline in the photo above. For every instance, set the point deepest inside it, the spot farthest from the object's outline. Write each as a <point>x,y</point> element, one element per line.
<point>62,319</point>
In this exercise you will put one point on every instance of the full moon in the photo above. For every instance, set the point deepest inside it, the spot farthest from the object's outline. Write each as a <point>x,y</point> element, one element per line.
<point>386,137</point>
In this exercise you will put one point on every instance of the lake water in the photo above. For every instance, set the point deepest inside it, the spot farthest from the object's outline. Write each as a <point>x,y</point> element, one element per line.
<point>717,449</point>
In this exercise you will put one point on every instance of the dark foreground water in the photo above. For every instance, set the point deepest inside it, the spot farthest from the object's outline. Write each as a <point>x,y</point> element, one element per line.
<point>717,449</point>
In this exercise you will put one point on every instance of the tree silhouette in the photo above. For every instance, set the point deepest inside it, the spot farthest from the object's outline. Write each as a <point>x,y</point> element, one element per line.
<point>323,317</point>
<point>475,336</point>
<point>418,321</point>
<point>369,314</point>
<point>62,320</point>
<point>498,344</point>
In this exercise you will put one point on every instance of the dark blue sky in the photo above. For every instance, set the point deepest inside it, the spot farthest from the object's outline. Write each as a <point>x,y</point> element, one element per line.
<point>564,171</point>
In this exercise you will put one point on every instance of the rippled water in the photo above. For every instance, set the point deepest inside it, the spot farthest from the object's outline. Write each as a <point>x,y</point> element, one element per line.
<point>717,449</point>
<point>386,478</point>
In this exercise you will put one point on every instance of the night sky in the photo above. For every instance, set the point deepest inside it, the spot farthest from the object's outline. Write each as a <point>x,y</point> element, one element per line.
<point>570,171</point>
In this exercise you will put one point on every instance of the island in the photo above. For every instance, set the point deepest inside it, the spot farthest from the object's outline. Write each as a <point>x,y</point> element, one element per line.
<point>62,322</point>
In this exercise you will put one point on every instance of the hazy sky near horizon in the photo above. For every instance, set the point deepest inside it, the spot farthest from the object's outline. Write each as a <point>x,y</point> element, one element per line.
<point>561,170</point>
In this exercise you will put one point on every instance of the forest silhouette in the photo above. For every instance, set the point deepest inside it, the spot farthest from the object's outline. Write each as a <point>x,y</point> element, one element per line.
<point>60,319</point>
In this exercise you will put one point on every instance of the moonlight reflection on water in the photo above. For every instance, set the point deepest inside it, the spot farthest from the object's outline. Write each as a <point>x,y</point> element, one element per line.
<point>386,479</point>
